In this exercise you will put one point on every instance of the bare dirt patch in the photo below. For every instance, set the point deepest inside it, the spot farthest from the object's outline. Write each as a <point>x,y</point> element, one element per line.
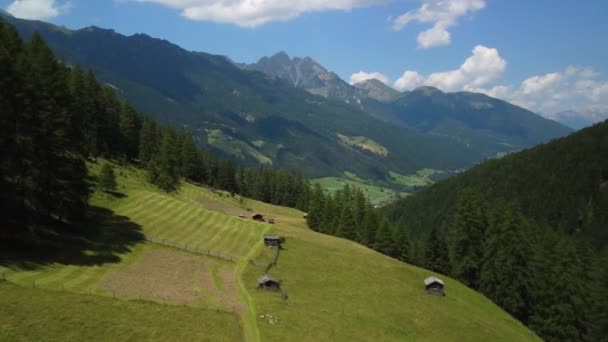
<point>177,277</point>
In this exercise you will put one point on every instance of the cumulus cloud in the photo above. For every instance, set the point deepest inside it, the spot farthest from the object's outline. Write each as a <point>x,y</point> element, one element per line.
<point>253,13</point>
<point>443,14</point>
<point>573,87</point>
<point>409,80</point>
<point>536,84</point>
<point>362,76</point>
<point>555,91</point>
<point>482,67</point>
<point>37,9</point>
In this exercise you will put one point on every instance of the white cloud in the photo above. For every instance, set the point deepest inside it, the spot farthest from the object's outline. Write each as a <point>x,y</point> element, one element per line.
<point>556,91</point>
<point>443,14</point>
<point>253,13</point>
<point>482,67</point>
<point>362,76</point>
<point>573,87</point>
<point>536,84</point>
<point>409,80</point>
<point>37,9</point>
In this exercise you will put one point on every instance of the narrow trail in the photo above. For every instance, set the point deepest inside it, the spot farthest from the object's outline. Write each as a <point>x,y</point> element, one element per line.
<point>249,320</point>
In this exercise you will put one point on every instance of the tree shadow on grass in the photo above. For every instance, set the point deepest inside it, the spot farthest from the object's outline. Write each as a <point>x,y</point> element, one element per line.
<point>100,239</point>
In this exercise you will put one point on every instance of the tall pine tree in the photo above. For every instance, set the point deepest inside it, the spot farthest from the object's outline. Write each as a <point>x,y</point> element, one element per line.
<point>466,233</point>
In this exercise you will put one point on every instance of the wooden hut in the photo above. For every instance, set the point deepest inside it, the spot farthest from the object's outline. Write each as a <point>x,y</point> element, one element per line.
<point>258,217</point>
<point>267,282</point>
<point>434,286</point>
<point>273,240</point>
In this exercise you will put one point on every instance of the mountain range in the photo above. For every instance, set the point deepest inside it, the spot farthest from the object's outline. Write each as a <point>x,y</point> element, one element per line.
<point>293,113</point>
<point>488,125</point>
<point>580,118</point>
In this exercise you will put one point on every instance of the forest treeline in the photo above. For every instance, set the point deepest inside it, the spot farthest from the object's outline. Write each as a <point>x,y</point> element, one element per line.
<point>55,117</point>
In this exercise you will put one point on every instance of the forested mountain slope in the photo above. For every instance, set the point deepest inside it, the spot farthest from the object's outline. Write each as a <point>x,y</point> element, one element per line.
<point>563,184</point>
<point>247,115</point>
<point>487,125</point>
<point>529,230</point>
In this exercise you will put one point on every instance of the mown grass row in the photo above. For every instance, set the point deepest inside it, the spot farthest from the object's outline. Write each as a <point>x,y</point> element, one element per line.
<point>186,222</point>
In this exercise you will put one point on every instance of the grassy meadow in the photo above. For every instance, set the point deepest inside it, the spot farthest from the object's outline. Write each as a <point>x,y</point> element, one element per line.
<point>112,277</point>
<point>28,314</point>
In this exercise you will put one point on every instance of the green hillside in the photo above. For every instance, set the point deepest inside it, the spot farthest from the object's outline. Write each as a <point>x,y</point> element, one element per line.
<point>528,230</point>
<point>562,183</point>
<point>337,289</point>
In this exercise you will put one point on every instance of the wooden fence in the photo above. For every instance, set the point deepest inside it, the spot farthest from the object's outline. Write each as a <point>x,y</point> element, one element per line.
<point>192,249</point>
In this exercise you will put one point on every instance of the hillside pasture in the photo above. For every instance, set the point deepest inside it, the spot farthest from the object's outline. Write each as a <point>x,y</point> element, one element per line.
<point>28,314</point>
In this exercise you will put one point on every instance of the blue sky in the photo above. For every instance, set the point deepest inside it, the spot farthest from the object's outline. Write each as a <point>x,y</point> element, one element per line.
<point>546,55</point>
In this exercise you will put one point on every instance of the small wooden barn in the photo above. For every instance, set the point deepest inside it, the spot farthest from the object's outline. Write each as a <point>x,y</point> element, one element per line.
<point>434,286</point>
<point>258,217</point>
<point>267,282</point>
<point>273,240</point>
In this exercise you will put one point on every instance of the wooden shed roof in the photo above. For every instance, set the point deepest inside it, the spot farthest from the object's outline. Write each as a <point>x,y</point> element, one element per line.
<point>432,279</point>
<point>266,278</point>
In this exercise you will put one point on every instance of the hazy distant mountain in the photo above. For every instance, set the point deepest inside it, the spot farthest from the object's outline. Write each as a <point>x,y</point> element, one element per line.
<point>581,118</point>
<point>488,124</point>
<point>308,74</point>
<point>377,90</point>
<point>5,13</point>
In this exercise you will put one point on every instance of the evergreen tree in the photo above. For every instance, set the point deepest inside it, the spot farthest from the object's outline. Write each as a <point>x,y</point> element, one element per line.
<point>347,227</point>
<point>149,140</point>
<point>107,178</point>
<point>129,130</point>
<point>163,171</point>
<point>189,158</point>
<point>383,241</point>
<point>506,273</point>
<point>436,254</point>
<point>329,223</point>
<point>314,216</point>
<point>466,232</point>
<point>401,242</point>
<point>367,229</point>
